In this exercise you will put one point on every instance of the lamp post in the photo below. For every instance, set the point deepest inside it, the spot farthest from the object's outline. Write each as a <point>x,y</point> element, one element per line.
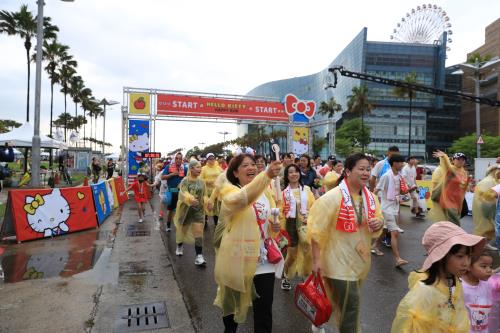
<point>35,144</point>
<point>104,102</point>
<point>224,133</point>
<point>478,67</point>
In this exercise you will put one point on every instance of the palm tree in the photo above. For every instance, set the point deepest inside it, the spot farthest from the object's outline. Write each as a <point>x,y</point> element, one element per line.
<point>66,72</point>
<point>24,25</point>
<point>55,54</point>
<point>329,108</point>
<point>87,106</point>
<point>76,86</point>
<point>358,104</point>
<point>403,92</point>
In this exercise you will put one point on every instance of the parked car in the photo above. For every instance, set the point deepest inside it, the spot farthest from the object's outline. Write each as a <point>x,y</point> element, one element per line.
<point>424,171</point>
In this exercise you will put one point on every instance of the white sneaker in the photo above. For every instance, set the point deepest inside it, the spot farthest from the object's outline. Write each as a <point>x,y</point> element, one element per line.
<point>400,230</point>
<point>199,261</point>
<point>140,220</point>
<point>179,251</point>
<point>168,229</point>
<point>285,284</point>
<point>315,329</point>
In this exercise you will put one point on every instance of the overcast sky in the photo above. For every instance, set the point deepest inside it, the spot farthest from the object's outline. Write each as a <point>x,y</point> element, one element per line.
<point>209,46</point>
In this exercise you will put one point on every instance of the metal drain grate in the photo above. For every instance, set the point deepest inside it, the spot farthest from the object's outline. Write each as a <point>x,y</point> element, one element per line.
<point>138,231</point>
<point>141,317</point>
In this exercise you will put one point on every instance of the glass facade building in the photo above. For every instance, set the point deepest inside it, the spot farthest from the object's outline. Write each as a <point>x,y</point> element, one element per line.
<point>389,119</point>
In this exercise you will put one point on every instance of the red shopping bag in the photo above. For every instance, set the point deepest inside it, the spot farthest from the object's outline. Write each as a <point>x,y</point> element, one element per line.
<point>312,301</point>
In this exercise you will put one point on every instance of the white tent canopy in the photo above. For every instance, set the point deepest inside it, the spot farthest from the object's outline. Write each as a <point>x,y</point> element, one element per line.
<point>22,137</point>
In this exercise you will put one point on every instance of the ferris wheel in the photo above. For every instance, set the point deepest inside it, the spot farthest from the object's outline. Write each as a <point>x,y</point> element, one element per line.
<point>423,25</point>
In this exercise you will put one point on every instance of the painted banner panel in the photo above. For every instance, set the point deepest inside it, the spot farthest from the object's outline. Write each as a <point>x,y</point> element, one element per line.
<point>201,106</point>
<point>138,142</point>
<point>120,190</point>
<point>101,201</point>
<point>424,188</point>
<point>139,103</point>
<point>300,140</point>
<point>39,213</point>
<point>113,196</point>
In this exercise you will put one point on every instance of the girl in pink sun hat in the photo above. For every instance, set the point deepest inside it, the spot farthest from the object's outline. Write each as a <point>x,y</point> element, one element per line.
<point>435,301</point>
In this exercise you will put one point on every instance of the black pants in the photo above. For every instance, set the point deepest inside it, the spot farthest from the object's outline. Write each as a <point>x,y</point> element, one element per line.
<point>263,303</point>
<point>262,306</point>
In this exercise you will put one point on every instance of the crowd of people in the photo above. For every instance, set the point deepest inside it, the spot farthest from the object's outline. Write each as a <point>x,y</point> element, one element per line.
<point>294,217</point>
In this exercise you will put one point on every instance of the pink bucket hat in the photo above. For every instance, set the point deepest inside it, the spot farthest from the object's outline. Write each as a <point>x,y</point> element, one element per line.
<point>440,237</point>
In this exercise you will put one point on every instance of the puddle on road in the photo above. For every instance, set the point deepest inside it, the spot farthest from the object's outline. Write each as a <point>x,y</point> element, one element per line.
<point>62,256</point>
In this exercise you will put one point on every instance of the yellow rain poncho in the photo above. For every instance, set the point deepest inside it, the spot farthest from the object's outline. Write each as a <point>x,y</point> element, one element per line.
<point>239,251</point>
<point>216,199</point>
<point>189,220</point>
<point>484,205</point>
<point>330,180</point>
<point>344,255</point>
<point>209,174</point>
<point>302,266</point>
<point>425,309</point>
<point>451,186</point>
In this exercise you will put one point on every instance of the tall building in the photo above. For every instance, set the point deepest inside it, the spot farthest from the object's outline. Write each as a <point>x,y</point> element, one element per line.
<point>389,120</point>
<point>489,85</point>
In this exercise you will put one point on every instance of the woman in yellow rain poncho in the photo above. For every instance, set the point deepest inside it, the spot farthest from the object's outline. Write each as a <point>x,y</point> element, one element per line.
<point>209,174</point>
<point>435,301</point>
<point>296,202</point>
<point>450,190</point>
<point>341,226</point>
<point>241,269</point>
<point>485,203</point>
<point>190,217</point>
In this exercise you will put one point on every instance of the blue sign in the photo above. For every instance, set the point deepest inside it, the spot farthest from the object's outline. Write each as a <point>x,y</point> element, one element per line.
<point>138,143</point>
<point>101,201</point>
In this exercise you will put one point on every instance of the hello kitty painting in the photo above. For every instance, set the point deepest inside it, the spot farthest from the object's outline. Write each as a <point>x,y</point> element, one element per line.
<point>39,213</point>
<point>139,142</point>
<point>48,214</point>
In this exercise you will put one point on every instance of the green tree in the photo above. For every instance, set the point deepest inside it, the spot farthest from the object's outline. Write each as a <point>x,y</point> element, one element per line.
<point>54,53</point>
<point>359,104</point>
<point>318,144</point>
<point>24,25</point>
<point>193,151</point>
<point>403,92</point>
<point>467,145</point>
<point>351,136</point>
<point>7,125</point>
<point>66,73</point>
<point>476,57</point>
<point>329,108</point>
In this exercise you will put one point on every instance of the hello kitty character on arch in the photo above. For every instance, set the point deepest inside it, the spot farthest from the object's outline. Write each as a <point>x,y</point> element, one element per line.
<point>48,213</point>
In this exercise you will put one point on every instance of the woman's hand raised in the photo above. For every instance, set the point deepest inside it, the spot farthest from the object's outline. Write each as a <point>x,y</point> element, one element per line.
<point>273,170</point>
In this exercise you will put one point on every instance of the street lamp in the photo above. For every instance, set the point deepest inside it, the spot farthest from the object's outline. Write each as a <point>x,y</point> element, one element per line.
<point>35,144</point>
<point>104,102</point>
<point>477,67</point>
<point>224,133</point>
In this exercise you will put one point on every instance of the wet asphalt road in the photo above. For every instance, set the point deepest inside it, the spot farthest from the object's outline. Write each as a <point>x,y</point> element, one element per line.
<point>383,290</point>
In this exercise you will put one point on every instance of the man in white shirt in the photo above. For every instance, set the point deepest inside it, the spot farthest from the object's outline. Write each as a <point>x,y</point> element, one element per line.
<point>389,188</point>
<point>409,174</point>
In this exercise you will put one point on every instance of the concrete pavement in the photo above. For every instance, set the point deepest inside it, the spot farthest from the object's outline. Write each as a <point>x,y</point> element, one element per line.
<point>129,266</point>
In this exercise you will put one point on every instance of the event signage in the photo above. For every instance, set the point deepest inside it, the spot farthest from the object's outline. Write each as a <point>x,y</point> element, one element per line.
<point>201,106</point>
<point>149,155</point>
<point>139,104</point>
<point>101,201</point>
<point>138,143</point>
<point>39,213</point>
<point>301,110</point>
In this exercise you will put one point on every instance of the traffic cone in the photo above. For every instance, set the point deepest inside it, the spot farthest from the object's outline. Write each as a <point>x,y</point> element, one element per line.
<point>86,181</point>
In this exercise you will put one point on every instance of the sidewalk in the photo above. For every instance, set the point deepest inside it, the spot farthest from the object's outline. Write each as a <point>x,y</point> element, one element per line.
<point>133,268</point>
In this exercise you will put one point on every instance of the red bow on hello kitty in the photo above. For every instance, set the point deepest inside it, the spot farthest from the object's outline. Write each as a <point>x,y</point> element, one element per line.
<point>293,105</point>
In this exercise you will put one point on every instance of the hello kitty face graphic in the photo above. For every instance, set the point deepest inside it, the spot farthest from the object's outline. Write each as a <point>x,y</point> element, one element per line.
<point>48,213</point>
<point>139,142</point>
